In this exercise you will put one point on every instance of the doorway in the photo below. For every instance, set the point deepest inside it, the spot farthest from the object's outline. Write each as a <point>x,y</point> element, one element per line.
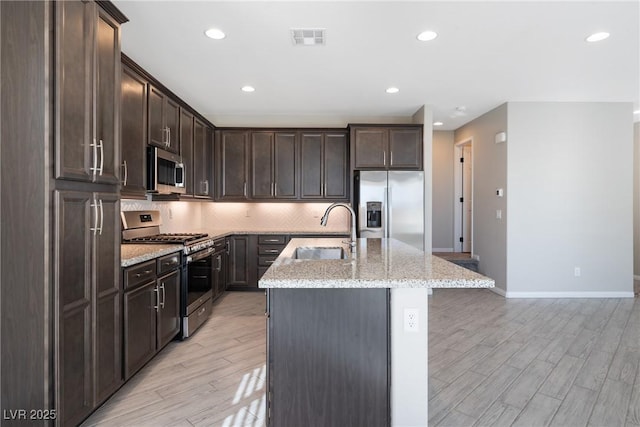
<point>463,209</point>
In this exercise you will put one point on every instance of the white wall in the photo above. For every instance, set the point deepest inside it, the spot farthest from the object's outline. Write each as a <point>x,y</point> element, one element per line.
<point>570,174</point>
<point>636,199</point>
<point>424,116</point>
<point>489,173</point>
<point>443,191</point>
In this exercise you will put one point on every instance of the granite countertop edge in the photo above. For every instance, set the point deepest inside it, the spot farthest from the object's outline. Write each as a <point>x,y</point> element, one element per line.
<point>378,263</point>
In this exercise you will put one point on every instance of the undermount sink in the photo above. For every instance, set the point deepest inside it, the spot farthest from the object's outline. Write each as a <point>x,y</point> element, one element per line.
<point>319,252</point>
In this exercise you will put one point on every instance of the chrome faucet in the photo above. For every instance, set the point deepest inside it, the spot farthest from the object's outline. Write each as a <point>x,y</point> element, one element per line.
<point>323,222</point>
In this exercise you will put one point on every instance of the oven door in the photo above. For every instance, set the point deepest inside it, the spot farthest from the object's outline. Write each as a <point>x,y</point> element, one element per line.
<point>197,290</point>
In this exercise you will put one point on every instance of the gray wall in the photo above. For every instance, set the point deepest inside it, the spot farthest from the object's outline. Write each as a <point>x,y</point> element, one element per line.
<point>489,173</point>
<point>443,191</point>
<point>636,199</point>
<point>570,173</point>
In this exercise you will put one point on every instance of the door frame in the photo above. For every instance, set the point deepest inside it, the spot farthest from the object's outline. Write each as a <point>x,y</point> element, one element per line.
<point>457,206</point>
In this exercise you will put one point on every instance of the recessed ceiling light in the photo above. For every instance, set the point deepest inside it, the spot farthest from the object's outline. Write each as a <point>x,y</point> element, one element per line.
<point>596,37</point>
<point>393,90</point>
<point>215,33</point>
<point>438,123</point>
<point>426,36</point>
<point>248,89</point>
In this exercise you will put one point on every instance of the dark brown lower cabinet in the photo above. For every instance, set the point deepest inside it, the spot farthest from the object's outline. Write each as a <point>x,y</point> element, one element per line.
<point>88,293</point>
<point>328,357</point>
<point>242,268</point>
<point>151,313</point>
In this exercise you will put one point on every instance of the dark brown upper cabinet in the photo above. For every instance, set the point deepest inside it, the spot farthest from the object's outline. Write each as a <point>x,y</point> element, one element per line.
<point>232,164</point>
<point>164,119</point>
<point>186,144</point>
<point>324,171</point>
<point>386,147</point>
<point>87,99</point>
<point>202,160</point>
<point>273,165</point>
<point>134,133</point>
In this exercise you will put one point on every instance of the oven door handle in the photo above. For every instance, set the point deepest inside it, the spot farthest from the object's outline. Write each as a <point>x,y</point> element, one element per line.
<point>200,255</point>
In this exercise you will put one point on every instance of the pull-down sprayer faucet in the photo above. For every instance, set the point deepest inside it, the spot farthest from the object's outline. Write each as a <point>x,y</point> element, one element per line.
<point>325,218</point>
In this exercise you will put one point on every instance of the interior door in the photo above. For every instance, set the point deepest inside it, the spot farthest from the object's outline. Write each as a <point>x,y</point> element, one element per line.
<point>467,201</point>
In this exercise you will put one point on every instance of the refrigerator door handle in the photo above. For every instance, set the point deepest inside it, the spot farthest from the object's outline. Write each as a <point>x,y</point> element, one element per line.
<point>387,212</point>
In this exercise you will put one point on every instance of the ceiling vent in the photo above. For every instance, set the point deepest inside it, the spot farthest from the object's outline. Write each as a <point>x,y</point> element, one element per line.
<point>308,36</point>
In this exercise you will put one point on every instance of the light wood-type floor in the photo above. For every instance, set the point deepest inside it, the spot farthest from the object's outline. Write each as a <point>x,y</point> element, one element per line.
<point>492,362</point>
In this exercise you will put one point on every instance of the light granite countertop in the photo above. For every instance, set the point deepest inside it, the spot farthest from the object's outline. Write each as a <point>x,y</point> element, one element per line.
<point>377,263</point>
<point>131,254</point>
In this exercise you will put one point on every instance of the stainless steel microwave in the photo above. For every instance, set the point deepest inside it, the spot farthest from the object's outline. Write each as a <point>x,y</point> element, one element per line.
<point>165,172</point>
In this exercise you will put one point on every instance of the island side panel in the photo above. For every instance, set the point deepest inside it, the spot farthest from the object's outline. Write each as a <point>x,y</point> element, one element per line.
<point>409,359</point>
<point>328,357</point>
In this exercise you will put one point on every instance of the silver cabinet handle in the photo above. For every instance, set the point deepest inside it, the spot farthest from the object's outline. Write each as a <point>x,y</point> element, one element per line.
<point>101,146</point>
<point>272,240</point>
<point>272,251</point>
<point>101,216</point>
<point>219,268</point>
<point>201,311</point>
<point>206,186</point>
<point>391,158</point>
<point>94,168</point>
<point>94,205</point>
<point>163,295</point>
<point>143,273</point>
<point>157,291</point>
<point>244,189</point>
<point>384,158</point>
<point>126,173</point>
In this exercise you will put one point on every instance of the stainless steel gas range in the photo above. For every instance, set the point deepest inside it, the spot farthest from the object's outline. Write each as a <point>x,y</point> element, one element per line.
<point>143,227</point>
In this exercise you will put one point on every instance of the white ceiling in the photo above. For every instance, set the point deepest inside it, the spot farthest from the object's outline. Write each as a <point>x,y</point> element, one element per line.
<point>486,53</point>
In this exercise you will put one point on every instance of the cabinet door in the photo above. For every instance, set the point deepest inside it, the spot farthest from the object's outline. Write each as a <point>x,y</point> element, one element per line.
<point>336,169</point>
<point>311,174</point>
<point>232,157</point>
<point>219,284</point>
<point>242,265</point>
<point>107,98</point>
<point>139,327</point>
<point>74,47</point>
<point>370,147</point>
<point>202,160</point>
<point>284,167</point>
<point>157,129</point>
<point>186,143</point>
<point>169,311</point>
<point>405,148</point>
<point>106,271</point>
<point>134,133</point>
<point>262,165</point>
<point>74,218</point>
<point>172,123</point>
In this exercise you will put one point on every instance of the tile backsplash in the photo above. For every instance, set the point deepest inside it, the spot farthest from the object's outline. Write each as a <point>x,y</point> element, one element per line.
<point>188,216</point>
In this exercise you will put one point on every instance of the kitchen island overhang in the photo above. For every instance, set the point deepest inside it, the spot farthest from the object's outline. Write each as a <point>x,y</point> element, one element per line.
<point>347,337</point>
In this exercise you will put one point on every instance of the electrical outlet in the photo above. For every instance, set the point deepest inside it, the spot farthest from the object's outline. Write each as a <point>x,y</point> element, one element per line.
<point>170,214</point>
<point>577,272</point>
<point>411,320</point>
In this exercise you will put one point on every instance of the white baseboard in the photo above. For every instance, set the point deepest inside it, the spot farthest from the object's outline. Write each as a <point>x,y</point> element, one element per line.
<point>476,257</point>
<point>566,294</point>
<point>441,249</point>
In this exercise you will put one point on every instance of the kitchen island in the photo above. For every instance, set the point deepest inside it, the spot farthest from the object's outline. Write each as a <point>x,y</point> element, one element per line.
<point>347,332</point>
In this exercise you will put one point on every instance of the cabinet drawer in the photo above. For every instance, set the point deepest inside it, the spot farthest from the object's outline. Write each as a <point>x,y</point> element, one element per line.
<point>219,244</point>
<point>270,249</point>
<point>168,263</point>
<point>266,260</point>
<point>272,240</point>
<point>139,273</point>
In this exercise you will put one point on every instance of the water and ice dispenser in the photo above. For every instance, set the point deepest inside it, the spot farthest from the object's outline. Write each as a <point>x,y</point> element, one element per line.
<point>374,214</point>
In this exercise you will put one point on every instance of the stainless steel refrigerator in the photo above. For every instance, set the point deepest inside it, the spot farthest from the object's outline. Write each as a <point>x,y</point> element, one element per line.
<point>391,204</point>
